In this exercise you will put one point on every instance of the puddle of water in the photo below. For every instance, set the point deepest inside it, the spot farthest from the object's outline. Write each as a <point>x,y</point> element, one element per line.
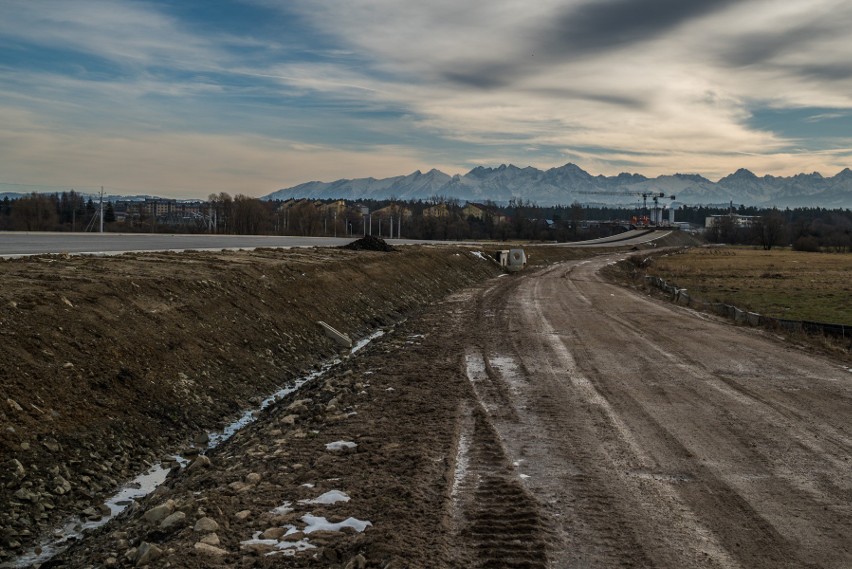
<point>72,530</point>
<point>507,367</point>
<point>475,365</point>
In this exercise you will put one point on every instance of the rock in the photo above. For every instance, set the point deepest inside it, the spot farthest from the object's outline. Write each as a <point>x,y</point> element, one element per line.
<point>146,553</point>
<point>252,478</point>
<point>61,486</point>
<point>110,562</point>
<point>289,420</point>
<point>14,405</point>
<point>176,519</point>
<point>51,445</point>
<point>206,525</point>
<point>91,514</point>
<point>18,469</point>
<point>208,549</point>
<point>299,405</point>
<point>295,536</point>
<point>202,438</point>
<point>243,515</point>
<point>159,513</point>
<point>210,539</point>
<point>25,495</point>
<point>200,461</point>
<point>357,562</point>
<point>273,533</point>
<point>257,546</point>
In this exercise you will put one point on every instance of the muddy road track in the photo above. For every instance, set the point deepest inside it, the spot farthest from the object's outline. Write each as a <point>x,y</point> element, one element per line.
<point>648,435</point>
<point>547,419</point>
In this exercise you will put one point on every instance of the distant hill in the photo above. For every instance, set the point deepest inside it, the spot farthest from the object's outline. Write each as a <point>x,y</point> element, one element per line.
<point>570,183</point>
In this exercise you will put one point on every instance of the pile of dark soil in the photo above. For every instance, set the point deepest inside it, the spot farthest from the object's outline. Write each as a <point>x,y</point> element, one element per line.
<point>369,243</point>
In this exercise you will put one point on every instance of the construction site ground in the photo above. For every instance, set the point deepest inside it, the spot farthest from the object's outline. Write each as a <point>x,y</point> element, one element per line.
<point>543,419</point>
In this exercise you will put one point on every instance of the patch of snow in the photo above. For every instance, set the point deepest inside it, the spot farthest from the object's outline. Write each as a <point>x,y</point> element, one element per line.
<point>300,545</point>
<point>255,540</point>
<point>478,254</point>
<point>330,497</point>
<point>308,485</point>
<point>363,342</point>
<point>340,445</point>
<point>317,523</point>
<point>524,476</point>
<point>283,509</point>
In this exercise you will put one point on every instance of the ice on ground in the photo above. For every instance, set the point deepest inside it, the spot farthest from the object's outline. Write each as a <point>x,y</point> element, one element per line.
<point>283,509</point>
<point>317,523</point>
<point>300,545</point>
<point>478,254</point>
<point>330,497</point>
<point>340,445</point>
<point>255,540</point>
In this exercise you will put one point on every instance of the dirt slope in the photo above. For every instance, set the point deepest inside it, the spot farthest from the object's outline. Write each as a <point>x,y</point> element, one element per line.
<point>110,361</point>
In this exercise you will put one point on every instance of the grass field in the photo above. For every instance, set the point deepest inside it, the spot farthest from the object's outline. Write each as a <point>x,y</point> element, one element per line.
<point>778,283</point>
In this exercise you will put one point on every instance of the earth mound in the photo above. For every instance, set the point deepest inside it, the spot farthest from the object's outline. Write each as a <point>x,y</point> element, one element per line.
<point>369,243</point>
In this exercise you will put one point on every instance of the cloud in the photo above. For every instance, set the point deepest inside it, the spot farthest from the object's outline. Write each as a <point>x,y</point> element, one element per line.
<point>605,25</point>
<point>392,84</point>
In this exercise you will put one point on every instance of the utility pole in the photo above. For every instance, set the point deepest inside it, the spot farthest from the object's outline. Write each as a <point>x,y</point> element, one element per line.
<point>102,209</point>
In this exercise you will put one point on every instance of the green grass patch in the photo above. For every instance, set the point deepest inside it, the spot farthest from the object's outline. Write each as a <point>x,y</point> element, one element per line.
<point>779,283</point>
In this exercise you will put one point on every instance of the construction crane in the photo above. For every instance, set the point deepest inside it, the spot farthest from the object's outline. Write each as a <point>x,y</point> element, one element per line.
<point>645,195</point>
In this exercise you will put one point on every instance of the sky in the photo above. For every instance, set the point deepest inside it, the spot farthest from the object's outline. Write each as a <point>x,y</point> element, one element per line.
<point>186,98</point>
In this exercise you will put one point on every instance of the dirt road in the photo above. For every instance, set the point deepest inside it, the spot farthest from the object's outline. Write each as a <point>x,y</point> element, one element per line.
<point>648,434</point>
<point>546,419</point>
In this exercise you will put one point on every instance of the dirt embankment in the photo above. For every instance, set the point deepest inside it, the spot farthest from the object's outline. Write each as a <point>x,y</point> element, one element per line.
<point>108,362</point>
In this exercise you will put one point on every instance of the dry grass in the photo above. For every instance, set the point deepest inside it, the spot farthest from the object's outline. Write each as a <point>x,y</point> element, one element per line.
<point>779,283</point>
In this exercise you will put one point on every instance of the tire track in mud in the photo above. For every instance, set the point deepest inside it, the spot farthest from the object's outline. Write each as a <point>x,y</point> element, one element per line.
<point>498,520</point>
<point>584,526</point>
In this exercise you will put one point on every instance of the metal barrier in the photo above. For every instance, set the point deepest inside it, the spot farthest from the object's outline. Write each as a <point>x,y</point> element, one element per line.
<point>681,297</point>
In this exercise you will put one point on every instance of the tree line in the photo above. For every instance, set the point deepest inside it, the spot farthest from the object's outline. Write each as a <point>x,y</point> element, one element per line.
<point>440,218</point>
<point>66,211</point>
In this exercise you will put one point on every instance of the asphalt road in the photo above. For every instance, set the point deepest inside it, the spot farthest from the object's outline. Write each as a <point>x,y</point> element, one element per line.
<point>650,435</point>
<point>20,243</point>
<point>16,244</point>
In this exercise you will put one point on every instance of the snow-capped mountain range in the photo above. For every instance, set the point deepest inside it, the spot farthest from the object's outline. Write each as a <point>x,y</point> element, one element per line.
<point>570,183</point>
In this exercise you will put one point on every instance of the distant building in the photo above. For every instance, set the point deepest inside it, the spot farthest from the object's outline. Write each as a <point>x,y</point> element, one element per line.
<point>737,220</point>
<point>439,210</point>
<point>480,211</point>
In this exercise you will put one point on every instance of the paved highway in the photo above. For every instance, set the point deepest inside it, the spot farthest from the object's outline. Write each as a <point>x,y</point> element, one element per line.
<point>15,244</point>
<point>20,244</point>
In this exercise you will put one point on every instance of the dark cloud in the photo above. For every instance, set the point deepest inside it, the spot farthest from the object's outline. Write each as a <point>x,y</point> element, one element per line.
<point>759,48</point>
<point>612,24</point>
<point>597,26</point>
<point>608,98</point>
<point>483,75</point>
<point>824,71</point>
